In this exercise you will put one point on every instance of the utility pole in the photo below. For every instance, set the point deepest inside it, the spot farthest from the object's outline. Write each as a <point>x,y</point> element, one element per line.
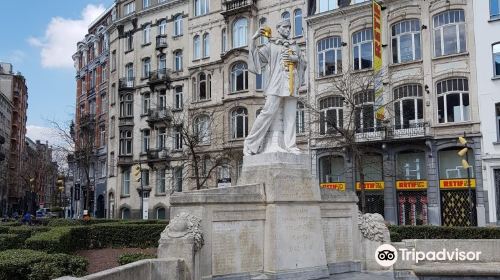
<point>465,164</point>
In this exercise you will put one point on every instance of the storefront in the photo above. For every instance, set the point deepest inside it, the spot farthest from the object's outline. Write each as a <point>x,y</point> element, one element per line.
<point>332,172</point>
<point>372,167</point>
<point>458,206</point>
<point>411,187</point>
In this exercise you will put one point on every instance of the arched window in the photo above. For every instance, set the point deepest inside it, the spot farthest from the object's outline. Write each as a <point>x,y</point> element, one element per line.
<point>125,213</point>
<point>206,45</point>
<point>202,129</point>
<point>178,98</point>
<point>239,77</point>
<point>125,189</point>
<point>162,64</point>
<point>496,59</point>
<point>202,86</point>
<point>408,106</point>
<point>146,34</point>
<point>178,25</point>
<point>297,19</point>
<point>160,213</point>
<point>329,56</point>
<point>196,47</point>
<point>239,123</point>
<point>285,15</point>
<point>406,41</point>
<point>240,29</point>
<point>453,100</point>
<point>364,116</point>
<point>332,114</point>
<point>362,44</point>
<point>162,27</point>
<point>178,60</point>
<point>126,105</point>
<point>224,40</point>
<point>300,119</point>
<point>449,33</point>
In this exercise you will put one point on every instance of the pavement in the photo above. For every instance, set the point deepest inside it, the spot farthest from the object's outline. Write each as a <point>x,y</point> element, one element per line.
<point>364,276</point>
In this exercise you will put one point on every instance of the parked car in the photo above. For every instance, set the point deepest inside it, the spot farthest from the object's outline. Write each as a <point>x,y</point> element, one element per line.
<point>45,213</point>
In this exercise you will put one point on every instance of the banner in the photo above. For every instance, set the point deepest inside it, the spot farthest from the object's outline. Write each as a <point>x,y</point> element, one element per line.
<point>371,186</point>
<point>456,183</point>
<point>411,185</point>
<point>377,60</point>
<point>334,186</point>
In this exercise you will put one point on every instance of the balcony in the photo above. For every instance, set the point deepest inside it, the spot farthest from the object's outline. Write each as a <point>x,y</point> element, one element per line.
<point>387,133</point>
<point>234,7</point>
<point>87,121</point>
<point>159,115</point>
<point>161,76</point>
<point>125,160</point>
<point>157,154</point>
<point>126,121</point>
<point>127,83</point>
<point>161,42</point>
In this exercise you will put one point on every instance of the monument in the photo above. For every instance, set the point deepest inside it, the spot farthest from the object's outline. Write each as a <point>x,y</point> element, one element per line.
<point>276,223</point>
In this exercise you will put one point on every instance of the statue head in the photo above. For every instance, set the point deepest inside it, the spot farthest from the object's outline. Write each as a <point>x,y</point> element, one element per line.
<point>284,28</point>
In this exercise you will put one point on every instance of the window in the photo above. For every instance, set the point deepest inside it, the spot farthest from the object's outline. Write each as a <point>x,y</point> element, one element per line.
<point>126,182</point>
<point>332,169</point>
<point>162,63</point>
<point>224,40</point>
<point>325,5</point>
<point>240,27</point>
<point>160,213</point>
<point>102,135</point>
<point>130,41</point>
<point>259,81</point>
<point>111,164</point>
<point>406,41</point>
<point>329,56</point>
<point>162,27</point>
<point>331,114</point>
<point>450,166</point>
<point>449,33</point>
<point>113,60</point>
<point>453,100</point>
<point>204,87</point>
<point>129,8</point>
<point>178,179</point>
<point>145,140</point>
<point>126,105</point>
<point>178,60</point>
<point>145,4</point>
<point>160,181</point>
<point>239,123</point>
<point>129,73</point>
<point>262,23</point>
<point>162,99</point>
<point>239,77</point>
<point>125,142</point>
<point>103,168</point>
<point>92,106</point>
<point>494,9</point>
<point>364,116</point>
<point>408,106</point>
<point>196,47</point>
<point>146,34</point>
<point>178,98</point>
<point>178,138</point>
<point>496,59</point>
<point>125,213</point>
<point>112,127</point>
<point>162,137</point>
<point>145,177</point>
<point>202,129</point>
<point>146,103</point>
<point>178,25</point>
<point>201,7</point>
<point>285,15</point>
<point>206,45</point>
<point>410,165</point>
<point>297,19</point>
<point>146,68</point>
<point>362,49</point>
<point>300,121</point>
<point>497,111</point>
<point>93,78</point>
<point>224,170</point>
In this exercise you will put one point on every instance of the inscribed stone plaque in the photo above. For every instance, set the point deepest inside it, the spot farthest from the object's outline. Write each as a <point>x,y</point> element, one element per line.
<point>237,246</point>
<point>338,239</point>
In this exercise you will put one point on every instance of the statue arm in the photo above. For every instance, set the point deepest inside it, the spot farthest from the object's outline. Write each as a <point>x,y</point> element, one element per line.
<point>258,57</point>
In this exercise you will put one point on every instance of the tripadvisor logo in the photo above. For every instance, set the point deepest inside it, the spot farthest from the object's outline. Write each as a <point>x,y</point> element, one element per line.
<point>386,255</point>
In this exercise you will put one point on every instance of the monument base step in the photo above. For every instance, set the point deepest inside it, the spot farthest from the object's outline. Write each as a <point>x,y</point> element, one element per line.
<point>344,267</point>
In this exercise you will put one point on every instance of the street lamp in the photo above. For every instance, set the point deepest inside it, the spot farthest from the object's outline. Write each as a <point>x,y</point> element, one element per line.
<point>465,164</point>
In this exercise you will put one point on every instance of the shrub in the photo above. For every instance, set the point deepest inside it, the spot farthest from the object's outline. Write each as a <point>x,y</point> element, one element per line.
<point>125,235</point>
<point>56,240</point>
<point>399,233</point>
<point>26,232</point>
<point>10,241</point>
<point>63,222</point>
<point>28,264</point>
<point>133,257</point>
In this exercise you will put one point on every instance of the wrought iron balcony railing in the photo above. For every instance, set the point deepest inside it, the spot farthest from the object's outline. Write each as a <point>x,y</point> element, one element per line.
<point>384,133</point>
<point>127,83</point>
<point>157,154</point>
<point>233,7</point>
<point>161,41</point>
<point>158,115</point>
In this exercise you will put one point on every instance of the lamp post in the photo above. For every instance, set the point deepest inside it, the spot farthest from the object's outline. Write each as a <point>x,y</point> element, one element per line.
<point>465,165</point>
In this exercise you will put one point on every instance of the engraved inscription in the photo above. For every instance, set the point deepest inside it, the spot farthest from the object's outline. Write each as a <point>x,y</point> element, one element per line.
<point>338,239</point>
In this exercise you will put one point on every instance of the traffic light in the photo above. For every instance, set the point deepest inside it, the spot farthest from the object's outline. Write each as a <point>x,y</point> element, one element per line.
<point>463,152</point>
<point>137,172</point>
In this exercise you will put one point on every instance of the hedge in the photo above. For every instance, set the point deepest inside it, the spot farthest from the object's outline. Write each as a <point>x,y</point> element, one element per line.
<point>133,257</point>
<point>10,241</point>
<point>399,233</point>
<point>35,265</point>
<point>69,222</point>
<point>69,239</point>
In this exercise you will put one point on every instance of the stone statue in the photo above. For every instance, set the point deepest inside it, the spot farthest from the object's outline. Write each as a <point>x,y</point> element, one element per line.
<point>282,66</point>
<point>372,227</point>
<point>184,225</point>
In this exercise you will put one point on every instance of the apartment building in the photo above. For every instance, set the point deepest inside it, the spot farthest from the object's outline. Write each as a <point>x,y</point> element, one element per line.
<point>487,52</point>
<point>429,90</point>
<point>5,127</point>
<point>13,87</point>
<point>91,123</point>
<point>178,72</point>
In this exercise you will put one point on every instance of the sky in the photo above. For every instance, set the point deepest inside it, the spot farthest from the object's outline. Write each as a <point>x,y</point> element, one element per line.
<point>39,37</point>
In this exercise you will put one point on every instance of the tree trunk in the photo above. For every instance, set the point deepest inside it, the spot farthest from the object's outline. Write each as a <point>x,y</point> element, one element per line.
<point>359,168</point>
